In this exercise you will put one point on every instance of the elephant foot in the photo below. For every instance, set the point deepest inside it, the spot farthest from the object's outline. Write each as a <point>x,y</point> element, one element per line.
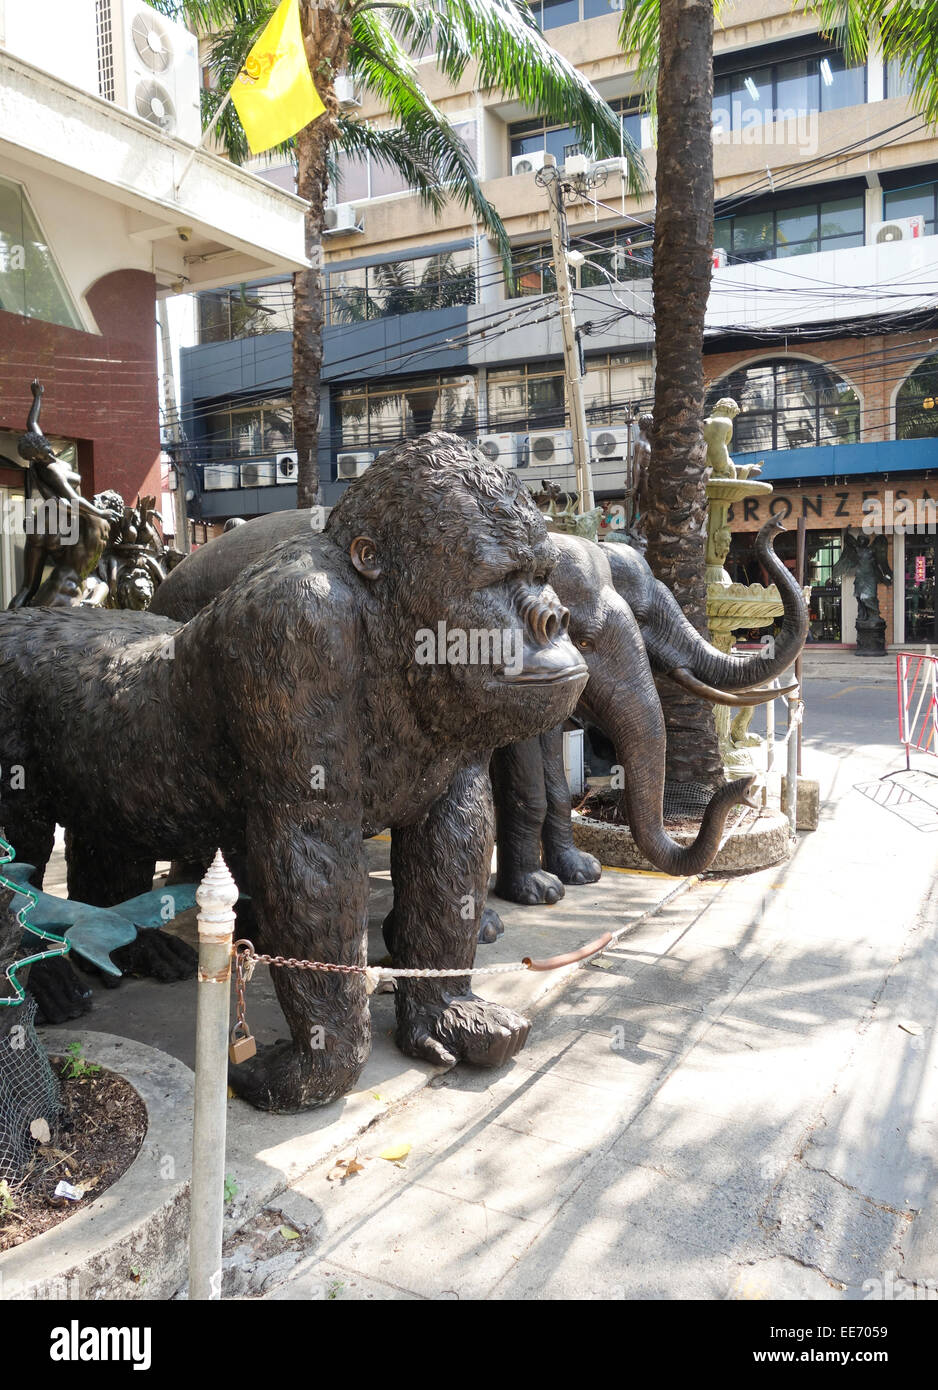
<point>538,886</point>
<point>575,866</point>
<point>461,1029</point>
<point>59,991</point>
<point>491,926</point>
<point>154,955</point>
<point>286,1082</point>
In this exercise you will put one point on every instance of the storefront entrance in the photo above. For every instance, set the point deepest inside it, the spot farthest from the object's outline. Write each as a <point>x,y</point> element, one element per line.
<point>822,551</point>
<point>920,614</point>
<point>12,541</point>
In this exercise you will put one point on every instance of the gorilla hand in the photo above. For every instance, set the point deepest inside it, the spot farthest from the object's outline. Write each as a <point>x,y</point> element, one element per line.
<point>156,955</point>
<point>460,1028</point>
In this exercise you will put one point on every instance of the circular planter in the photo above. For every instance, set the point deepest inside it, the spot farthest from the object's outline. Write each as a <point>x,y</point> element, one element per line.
<point>755,845</point>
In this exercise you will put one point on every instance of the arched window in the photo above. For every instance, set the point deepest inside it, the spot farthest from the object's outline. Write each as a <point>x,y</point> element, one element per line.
<point>787,403</point>
<point>917,402</point>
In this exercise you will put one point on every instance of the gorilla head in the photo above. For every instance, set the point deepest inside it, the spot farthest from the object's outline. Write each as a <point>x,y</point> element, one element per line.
<point>456,557</point>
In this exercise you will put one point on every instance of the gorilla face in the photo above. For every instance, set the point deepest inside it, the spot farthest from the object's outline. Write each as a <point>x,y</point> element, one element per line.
<point>457,558</point>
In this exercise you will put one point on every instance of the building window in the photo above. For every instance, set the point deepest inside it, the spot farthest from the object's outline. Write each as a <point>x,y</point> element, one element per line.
<point>920,200</point>
<point>917,402</point>
<point>789,404</point>
<point>402,287</point>
<point>359,178</point>
<point>897,80</point>
<point>611,257</point>
<point>532,397</point>
<point>377,416</point>
<point>774,232</point>
<point>786,90</point>
<point>534,136</point>
<point>245,311</point>
<point>243,431</point>
<point>31,283</point>
<point>550,14</point>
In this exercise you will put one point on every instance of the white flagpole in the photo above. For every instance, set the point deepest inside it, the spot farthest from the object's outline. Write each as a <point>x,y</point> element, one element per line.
<point>201,145</point>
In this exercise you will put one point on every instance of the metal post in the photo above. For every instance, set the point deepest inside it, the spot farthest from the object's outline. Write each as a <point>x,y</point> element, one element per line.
<point>791,777</point>
<point>769,749</point>
<point>799,575</point>
<point>571,347</point>
<point>216,896</point>
<point>173,428</point>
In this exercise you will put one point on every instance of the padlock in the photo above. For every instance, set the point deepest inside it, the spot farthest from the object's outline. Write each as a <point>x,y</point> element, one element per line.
<point>242,1045</point>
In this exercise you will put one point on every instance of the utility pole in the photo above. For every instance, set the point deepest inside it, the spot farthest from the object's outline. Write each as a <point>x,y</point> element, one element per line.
<point>174,429</point>
<point>549,178</point>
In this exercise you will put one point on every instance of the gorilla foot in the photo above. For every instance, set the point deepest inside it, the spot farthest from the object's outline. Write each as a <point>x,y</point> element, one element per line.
<point>491,926</point>
<point>59,991</point>
<point>287,1082</point>
<point>156,955</point>
<point>575,866</point>
<point>538,886</point>
<point>464,1029</point>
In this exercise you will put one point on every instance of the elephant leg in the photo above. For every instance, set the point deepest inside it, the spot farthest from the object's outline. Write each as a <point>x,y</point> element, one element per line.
<point>561,856</point>
<point>440,870</point>
<point>520,808</point>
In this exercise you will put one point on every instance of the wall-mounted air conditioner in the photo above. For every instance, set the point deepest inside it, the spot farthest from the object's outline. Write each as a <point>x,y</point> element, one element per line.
<point>608,446</point>
<point>222,476</point>
<point>898,229</point>
<point>509,450</point>
<point>342,217</point>
<point>528,163</point>
<point>286,467</point>
<point>149,65</point>
<point>262,473</point>
<point>353,465</point>
<point>550,449</point>
<point>346,93</point>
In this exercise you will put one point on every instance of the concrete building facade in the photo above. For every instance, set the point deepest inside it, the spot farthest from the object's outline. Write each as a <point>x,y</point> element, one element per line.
<point>822,316</point>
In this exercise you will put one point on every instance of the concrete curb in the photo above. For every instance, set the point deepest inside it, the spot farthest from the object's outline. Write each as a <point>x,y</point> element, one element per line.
<point>764,842</point>
<point>140,1222</point>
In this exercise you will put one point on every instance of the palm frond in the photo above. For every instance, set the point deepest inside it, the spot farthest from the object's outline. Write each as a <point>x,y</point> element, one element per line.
<point>510,54</point>
<point>906,32</point>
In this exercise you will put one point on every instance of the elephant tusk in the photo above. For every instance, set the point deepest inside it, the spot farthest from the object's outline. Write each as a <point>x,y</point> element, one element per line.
<point>681,676</point>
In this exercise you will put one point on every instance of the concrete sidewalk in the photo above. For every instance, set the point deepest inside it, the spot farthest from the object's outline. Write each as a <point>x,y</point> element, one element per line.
<point>740,1105</point>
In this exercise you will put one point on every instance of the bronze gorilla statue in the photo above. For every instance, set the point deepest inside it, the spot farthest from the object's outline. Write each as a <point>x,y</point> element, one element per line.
<point>628,627</point>
<point>289,720</point>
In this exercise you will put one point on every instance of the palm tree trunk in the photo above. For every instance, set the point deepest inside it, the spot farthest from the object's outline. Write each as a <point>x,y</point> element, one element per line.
<point>326,35</point>
<point>676,513</point>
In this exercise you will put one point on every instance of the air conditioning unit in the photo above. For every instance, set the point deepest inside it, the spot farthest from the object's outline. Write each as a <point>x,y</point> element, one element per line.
<point>221,477</point>
<point>509,450</point>
<point>287,467</point>
<point>550,449</point>
<point>262,473</point>
<point>353,465</point>
<point>608,445</point>
<point>341,217</point>
<point>528,163</point>
<point>719,258</point>
<point>345,92</point>
<point>149,65</point>
<point>899,229</point>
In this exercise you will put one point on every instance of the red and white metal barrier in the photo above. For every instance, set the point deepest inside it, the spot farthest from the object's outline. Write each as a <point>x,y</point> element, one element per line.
<point>917,684</point>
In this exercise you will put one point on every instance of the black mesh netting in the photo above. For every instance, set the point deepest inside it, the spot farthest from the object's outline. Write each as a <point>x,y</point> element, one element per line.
<point>685,800</point>
<point>28,1087</point>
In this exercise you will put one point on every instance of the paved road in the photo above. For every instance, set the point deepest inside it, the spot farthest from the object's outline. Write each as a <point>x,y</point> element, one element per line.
<point>742,1105</point>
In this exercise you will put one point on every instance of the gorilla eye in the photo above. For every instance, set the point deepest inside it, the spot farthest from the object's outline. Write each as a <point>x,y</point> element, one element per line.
<point>586,645</point>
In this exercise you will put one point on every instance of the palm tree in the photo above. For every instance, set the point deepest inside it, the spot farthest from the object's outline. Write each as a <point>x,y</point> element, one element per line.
<point>673,40</point>
<point>369,40</point>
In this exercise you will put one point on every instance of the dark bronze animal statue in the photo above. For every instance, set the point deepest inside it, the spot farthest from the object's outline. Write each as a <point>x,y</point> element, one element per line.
<point>628,626</point>
<point>288,720</point>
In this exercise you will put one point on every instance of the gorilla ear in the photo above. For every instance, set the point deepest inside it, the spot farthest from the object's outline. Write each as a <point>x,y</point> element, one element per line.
<point>364,555</point>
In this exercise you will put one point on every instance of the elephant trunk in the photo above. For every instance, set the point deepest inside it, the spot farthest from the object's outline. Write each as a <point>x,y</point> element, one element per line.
<point>634,721</point>
<point>679,648</point>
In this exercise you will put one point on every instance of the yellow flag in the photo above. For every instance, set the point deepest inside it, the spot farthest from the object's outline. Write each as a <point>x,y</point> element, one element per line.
<point>274,93</point>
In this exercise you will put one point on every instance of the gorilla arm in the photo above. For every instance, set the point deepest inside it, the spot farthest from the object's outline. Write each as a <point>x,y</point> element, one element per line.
<point>445,859</point>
